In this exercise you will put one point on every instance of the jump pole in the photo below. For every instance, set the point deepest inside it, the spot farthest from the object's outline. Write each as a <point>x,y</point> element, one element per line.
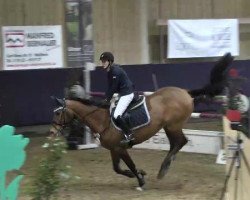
<point>87,140</point>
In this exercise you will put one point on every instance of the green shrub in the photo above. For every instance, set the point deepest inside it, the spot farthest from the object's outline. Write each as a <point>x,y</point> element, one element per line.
<point>47,179</point>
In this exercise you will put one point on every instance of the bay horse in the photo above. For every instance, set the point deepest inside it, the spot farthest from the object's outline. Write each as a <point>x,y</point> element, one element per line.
<point>169,108</point>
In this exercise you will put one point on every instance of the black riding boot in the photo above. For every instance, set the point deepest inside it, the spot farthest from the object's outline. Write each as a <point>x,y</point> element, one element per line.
<point>125,130</point>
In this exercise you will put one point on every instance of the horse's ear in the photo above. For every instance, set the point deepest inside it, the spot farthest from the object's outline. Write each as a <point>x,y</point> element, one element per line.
<point>58,101</point>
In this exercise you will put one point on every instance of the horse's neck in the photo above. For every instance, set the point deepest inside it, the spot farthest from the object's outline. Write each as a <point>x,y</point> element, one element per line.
<point>96,118</point>
<point>99,121</point>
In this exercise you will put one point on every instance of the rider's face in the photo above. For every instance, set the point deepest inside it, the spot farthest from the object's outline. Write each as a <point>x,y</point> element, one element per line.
<point>105,64</point>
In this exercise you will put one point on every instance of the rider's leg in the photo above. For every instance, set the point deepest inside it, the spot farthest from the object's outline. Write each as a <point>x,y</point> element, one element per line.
<point>122,105</point>
<point>125,128</point>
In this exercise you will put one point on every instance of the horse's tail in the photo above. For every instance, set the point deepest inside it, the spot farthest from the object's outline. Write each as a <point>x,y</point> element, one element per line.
<point>217,81</point>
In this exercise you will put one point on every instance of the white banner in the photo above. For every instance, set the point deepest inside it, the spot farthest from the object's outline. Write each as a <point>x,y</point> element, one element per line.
<point>32,47</point>
<point>202,38</point>
<point>199,141</point>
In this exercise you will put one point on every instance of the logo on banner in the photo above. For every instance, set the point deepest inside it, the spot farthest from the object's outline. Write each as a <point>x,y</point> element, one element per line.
<point>14,39</point>
<point>32,47</point>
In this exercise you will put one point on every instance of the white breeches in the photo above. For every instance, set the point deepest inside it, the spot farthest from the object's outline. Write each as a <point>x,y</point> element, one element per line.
<point>122,105</point>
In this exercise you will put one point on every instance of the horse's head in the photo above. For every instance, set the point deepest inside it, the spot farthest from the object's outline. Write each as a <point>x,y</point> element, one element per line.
<point>71,118</point>
<point>62,118</point>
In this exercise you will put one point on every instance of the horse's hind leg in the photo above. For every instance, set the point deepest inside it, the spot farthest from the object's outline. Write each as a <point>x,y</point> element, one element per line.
<point>177,140</point>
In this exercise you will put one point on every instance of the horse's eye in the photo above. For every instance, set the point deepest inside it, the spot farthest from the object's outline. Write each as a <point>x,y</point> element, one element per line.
<point>57,113</point>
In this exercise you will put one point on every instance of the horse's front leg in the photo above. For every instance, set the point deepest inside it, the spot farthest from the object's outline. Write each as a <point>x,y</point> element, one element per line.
<point>130,163</point>
<point>116,165</point>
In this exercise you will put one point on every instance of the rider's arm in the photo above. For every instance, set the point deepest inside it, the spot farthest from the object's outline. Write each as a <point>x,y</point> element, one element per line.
<point>113,86</point>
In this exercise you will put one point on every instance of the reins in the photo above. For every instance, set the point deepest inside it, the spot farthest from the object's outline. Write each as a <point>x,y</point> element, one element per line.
<point>62,121</point>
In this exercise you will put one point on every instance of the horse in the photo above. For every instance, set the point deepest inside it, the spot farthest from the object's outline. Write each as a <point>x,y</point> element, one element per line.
<point>169,109</point>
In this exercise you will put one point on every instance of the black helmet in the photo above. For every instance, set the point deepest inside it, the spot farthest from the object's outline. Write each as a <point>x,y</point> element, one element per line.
<point>107,56</point>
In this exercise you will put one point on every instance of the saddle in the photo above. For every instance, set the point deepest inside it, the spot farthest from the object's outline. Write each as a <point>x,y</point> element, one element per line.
<point>137,101</point>
<point>136,115</point>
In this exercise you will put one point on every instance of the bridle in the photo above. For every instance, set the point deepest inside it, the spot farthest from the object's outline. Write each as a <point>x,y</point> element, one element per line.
<point>63,124</point>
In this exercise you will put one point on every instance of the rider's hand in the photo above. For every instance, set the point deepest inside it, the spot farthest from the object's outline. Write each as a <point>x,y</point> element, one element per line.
<point>105,103</point>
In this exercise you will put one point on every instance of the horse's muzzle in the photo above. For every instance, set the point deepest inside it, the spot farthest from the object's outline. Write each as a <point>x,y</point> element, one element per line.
<point>54,130</point>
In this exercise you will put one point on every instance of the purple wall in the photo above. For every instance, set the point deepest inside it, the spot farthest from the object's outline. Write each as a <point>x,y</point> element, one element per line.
<point>25,95</point>
<point>188,76</point>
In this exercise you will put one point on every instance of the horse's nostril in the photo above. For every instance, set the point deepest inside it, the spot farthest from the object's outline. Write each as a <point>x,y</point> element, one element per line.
<point>52,131</point>
<point>53,134</point>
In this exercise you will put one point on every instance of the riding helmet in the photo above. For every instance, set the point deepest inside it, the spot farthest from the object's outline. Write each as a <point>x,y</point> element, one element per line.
<point>107,56</point>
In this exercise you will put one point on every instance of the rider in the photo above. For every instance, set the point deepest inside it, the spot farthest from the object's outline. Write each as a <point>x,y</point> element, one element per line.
<point>118,82</point>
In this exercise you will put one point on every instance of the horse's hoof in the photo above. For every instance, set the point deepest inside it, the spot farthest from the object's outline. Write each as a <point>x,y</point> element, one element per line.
<point>141,179</point>
<point>142,172</point>
<point>163,171</point>
<point>141,183</point>
<point>139,189</point>
<point>161,174</point>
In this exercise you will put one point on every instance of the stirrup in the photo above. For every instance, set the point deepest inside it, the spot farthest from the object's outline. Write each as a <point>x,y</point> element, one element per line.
<point>127,139</point>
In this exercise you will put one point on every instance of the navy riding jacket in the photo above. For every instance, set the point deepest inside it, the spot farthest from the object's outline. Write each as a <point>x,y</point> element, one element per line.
<point>118,82</point>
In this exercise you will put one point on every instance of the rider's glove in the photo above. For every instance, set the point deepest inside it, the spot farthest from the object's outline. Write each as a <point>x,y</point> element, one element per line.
<point>105,103</point>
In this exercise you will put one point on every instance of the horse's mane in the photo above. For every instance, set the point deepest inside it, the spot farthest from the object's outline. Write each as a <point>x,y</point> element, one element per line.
<point>90,102</point>
<point>78,93</point>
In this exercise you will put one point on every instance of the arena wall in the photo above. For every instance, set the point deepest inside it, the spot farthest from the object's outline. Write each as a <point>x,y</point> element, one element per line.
<point>199,141</point>
<point>129,28</point>
<point>123,29</point>
<point>25,94</point>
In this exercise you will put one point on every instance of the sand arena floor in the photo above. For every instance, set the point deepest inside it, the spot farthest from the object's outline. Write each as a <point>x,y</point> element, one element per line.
<point>191,176</point>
